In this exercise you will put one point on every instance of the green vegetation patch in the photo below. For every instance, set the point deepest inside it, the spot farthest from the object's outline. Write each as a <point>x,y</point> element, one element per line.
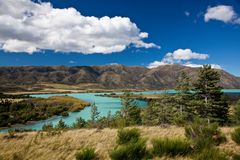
<point>130,145</point>
<point>210,154</point>
<point>128,136</point>
<point>87,154</point>
<point>171,147</point>
<point>236,135</point>
<point>34,109</point>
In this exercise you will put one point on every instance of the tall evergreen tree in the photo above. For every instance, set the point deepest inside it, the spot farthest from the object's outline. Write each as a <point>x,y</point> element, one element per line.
<point>236,113</point>
<point>61,124</point>
<point>184,96</point>
<point>94,114</point>
<point>161,111</point>
<point>209,97</point>
<point>130,111</point>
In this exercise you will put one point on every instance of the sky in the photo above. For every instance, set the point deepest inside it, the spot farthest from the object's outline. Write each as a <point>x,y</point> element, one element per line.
<point>146,33</point>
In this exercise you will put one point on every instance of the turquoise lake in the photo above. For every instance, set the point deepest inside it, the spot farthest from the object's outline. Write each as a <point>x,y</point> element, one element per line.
<point>104,104</point>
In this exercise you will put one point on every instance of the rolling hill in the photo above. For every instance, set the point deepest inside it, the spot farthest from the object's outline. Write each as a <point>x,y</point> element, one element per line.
<point>104,77</point>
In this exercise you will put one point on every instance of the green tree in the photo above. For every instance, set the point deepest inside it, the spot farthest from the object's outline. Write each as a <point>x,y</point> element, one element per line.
<point>109,119</point>
<point>130,111</point>
<point>94,114</point>
<point>47,127</point>
<point>236,113</point>
<point>61,124</point>
<point>209,101</point>
<point>160,111</point>
<point>184,96</point>
<point>80,123</point>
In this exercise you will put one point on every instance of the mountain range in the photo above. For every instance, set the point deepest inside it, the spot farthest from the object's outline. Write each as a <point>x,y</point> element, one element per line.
<point>106,77</point>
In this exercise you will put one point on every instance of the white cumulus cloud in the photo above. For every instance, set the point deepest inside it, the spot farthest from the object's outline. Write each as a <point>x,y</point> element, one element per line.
<point>216,66</point>
<point>27,26</point>
<point>222,13</point>
<point>72,62</point>
<point>183,57</point>
<point>156,64</point>
<point>187,13</point>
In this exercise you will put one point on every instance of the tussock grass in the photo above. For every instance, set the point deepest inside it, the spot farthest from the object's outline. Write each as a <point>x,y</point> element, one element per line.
<point>236,135</point>
<point>132,151</point>
<point>128,136</point>
<point>210,154</point>
<point>171,147</point>
<point>87,154</point>
<point>41,146</point>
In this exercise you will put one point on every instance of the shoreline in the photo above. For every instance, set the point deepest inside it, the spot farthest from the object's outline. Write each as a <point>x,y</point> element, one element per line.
<point>62,91</point>
<point>73,91</point>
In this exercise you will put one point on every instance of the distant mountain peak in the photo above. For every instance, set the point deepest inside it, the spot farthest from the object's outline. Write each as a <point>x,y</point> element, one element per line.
<point>109,76</point>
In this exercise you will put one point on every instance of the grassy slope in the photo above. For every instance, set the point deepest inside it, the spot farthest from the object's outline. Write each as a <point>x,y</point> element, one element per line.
<point>40,146</point>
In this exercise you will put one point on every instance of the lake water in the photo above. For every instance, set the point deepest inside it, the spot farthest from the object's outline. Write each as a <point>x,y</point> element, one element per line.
<point>104,104</point>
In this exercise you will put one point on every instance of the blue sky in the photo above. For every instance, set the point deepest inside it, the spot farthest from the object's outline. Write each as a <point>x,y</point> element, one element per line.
<point>166,32</point>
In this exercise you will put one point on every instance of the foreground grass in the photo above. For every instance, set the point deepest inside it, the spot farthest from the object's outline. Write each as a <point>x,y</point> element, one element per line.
<point>40,146</point>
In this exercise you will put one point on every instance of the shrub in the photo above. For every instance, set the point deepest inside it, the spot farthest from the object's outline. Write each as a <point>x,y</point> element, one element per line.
<point>128,135</point>
<point>86,154</point>
<point>11,134</point>
<point>236,157</point>
<point>170,147</point>
<point>17,156</point>
<point>47,127</point>
<point>210,154</point>
<point>61,125</point>
<point>65,114</point>
<point>204,134</point>
<point>236,135</point>
<point>131,151</point>
<point>80,123</point>
<point>130,145</point>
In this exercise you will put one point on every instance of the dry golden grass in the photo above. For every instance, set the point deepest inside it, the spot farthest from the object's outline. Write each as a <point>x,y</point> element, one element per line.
<point>229,147</point>
<point>74,104</point>
<point>40,146</point>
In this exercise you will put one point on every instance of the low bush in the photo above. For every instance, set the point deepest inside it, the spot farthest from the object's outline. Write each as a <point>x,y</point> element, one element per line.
<point>65,114</point>
<point>236,135</point>
<point>47,127</point>
<point>132,151</point>
<point>130,146</point>
<point>11,134</point>
<point>204,134</point>
<point>61,125</point>
<point>236,157</point>
<point>210,154</point>
<point>170,147</point>
<point>80,123</point>
<point>128,135</point>
<point>86,154</point>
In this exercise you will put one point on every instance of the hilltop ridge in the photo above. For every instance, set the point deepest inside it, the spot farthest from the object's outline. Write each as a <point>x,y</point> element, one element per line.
<point>105,77</point>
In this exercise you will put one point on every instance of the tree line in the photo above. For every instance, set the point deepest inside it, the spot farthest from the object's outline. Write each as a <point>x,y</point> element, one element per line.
<point>201,99</point>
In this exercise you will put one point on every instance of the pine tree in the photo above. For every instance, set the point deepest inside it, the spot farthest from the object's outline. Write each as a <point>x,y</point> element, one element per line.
<point>161,111</point>
<point>94,114</point>
<point>184,96</point>
<point>80,123</point>
<point>209,97</point>
<point>130,111</point>
<point>109,118</point>
<point>236,113</point>
<point>61,125</point>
